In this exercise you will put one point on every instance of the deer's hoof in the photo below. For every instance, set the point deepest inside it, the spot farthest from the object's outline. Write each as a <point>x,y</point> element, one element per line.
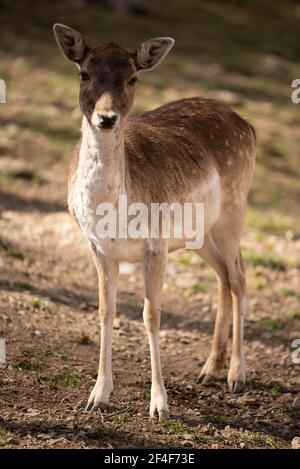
<point>99,396</point>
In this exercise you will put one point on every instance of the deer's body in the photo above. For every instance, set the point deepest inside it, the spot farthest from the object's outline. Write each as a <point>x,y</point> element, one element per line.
<point>193,150</point>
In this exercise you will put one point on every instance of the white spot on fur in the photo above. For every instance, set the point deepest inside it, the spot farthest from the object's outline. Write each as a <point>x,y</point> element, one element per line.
<point>103,107</point>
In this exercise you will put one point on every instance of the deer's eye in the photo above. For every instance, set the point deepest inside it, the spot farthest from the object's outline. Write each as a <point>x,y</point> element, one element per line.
<point>132,81</point>
<point>84,76</point>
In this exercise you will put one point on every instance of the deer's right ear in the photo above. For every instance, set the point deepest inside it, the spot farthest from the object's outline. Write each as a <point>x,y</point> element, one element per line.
<point>70,42</point>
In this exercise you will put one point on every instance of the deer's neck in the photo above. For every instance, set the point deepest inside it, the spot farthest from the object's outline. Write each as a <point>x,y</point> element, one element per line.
<point>101,168</point>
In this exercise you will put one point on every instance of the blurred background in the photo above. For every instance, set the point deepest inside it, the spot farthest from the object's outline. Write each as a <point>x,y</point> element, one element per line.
<point>243,52</point>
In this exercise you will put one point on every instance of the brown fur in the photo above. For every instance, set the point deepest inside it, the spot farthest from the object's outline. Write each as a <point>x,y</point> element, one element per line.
<point>167,155</point>
<point>177,143</point>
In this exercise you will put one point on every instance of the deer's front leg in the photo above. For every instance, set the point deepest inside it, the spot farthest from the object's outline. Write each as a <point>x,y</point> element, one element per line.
<point>108,275</point>
<point>154,271</point>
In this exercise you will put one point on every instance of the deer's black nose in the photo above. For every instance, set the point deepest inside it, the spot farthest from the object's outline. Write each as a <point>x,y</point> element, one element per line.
<point>107,122</point>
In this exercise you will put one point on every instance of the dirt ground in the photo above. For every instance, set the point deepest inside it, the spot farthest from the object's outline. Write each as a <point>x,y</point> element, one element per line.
<point>48,305</point>
<point>48,286</point>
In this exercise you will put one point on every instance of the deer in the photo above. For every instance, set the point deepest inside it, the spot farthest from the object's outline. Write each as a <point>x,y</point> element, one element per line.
<point>189,150</point>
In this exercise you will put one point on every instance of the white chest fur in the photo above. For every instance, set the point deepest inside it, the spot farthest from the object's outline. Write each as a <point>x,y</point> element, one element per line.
<point>99,178</point>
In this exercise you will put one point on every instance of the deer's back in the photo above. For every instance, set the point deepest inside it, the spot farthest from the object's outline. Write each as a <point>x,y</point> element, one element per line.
<point>171,149</point>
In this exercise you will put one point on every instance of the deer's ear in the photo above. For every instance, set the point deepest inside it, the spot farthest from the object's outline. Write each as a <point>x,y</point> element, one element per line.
<point>152,52</point>
<point>70,42</point>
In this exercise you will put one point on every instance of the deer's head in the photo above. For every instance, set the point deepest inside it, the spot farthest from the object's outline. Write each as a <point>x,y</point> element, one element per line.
<point>108,74</point>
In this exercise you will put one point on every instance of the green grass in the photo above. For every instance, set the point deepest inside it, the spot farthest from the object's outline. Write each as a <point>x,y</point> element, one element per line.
<point>198,288</point>
<point>93,373</point>
<point>289,292</point>
<point>177,427</point>
<point>267,260</point>
<point>258,439</point>
<point>42,304</point>
<point>8,251</point>
<point>275,391</point>
<point>27,365</point>
<point>270,325</point>
<point>217,419</point>
<point>61,380</point>
<point>122,418</point>
<point>65,379</point>
<point>4,434</point>
<point>84,339</point>
<point>260,284</point>
<point>294,314</point>
<point>26,351</point>
<point>24,286</point>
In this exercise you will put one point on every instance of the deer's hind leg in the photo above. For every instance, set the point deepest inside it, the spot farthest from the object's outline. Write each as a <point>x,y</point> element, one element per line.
<point>217,357</point>
<point>227,233</point>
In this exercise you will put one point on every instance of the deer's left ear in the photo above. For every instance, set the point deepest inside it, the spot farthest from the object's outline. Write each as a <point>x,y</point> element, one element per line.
<point>152,52</point>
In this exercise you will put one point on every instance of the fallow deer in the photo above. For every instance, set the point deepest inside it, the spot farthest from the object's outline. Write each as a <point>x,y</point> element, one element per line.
<point>189,150</point>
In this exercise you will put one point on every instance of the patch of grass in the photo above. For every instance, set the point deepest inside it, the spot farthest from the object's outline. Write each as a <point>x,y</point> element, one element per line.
<point>268,261</point>
<point>84,339</point>
<point>271,443</point>
<point>272,223</point>
<point>43,304</point>
<point>27,365</point>
<point>4,434</point>
<point>289,292</point>
<point>203,439</point>
<point>147,395</point>
<point>61,380</point>
<point>260,284</point>
<point>294,314</point>
<point>26,351</point>
<point>217,419</point>
<point>275,391</point>
<point>198,288</point>
<point>258,439</point>
<point>8,251</point>
<point>24,286</point>
<point>122,418</point>
<point>177,427</point>
<point>44,378</point>
<point>65,379</point>
<point>270,325</point>
<point>183,259</point>
<point>93,373</point>
<point>253,437</point>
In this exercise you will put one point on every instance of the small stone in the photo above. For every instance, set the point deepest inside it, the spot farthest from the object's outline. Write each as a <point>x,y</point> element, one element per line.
<point>296,442</point>
<point>187,436</point>
<point>33,412</point>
